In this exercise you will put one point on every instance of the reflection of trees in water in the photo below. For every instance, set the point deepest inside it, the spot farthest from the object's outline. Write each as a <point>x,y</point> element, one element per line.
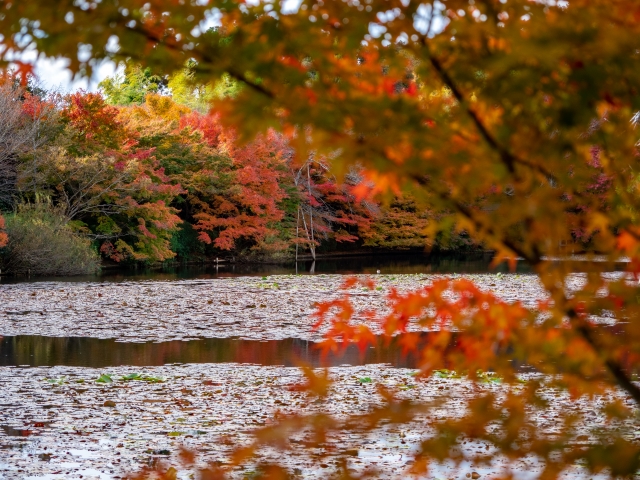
<point>406,263</point>
<point>94,352</point>
<point>389,264</point>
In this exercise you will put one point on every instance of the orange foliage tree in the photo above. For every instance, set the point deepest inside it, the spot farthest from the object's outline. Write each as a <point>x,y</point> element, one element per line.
<point>230,193</point>
<point>486,109</point>
<point>239,197</point>
<point>328,208</point>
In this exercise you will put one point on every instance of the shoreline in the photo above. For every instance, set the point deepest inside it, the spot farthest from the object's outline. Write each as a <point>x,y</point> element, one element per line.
<point>289,260</point>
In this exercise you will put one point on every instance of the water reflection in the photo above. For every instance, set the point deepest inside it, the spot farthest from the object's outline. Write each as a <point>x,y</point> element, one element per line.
<point>40,351</point>
<point>369,264</point>
<point>389,264</point>
<point>36,351</point>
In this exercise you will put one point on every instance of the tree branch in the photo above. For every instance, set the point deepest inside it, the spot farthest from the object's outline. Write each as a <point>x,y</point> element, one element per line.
<point>509,159</point>
<point>535,259</point>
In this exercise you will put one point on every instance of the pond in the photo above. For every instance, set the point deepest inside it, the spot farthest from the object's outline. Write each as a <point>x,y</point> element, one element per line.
<point>214,352</point>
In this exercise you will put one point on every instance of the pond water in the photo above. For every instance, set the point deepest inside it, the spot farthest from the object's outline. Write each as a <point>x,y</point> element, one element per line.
<point>361,264</point>
<point>53,347</point>
<point>39,351</point>
<point>401,263</point>
<point>76,426</point>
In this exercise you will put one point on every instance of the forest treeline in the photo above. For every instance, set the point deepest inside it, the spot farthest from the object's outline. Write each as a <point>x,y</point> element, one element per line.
<point>145,171</point>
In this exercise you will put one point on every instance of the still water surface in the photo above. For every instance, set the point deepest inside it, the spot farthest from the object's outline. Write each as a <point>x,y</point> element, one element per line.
<point>393,264</point>
<point>31,350</point>
<point>38,351</point>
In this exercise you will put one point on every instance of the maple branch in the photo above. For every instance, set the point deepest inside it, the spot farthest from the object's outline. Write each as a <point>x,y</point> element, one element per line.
<point>239,76</point>
<point>615,369</point>
<point>508,158</point>
<point>255,86</point>
<point>535,259</point>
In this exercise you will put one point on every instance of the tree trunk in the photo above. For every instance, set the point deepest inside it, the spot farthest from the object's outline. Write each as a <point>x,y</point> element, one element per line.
<point>313,242</point>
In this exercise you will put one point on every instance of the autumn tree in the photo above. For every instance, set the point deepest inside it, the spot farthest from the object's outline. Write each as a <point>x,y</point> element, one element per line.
<point>25,124</point>
<point>489,110</point>
<point>249,208</point>
<point>328,208</point>
<point>107,185</point>
<point>400,225</point>
<point>230,193</point>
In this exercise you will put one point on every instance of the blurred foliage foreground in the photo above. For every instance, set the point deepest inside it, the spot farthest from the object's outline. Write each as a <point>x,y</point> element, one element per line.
<point>517,116</point>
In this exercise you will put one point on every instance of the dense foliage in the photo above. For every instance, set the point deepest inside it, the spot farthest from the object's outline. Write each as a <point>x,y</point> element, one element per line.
<point>147,177</point>
<point>514,121</point>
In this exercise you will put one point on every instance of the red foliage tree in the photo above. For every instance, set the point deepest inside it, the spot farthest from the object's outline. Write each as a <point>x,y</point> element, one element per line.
<point>3,236</point>
<point>248,209</point>
<point>330,209</point>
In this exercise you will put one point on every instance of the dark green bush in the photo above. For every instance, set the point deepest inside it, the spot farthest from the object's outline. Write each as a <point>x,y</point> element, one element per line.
<point>186,245</point>
<point>42,243</point>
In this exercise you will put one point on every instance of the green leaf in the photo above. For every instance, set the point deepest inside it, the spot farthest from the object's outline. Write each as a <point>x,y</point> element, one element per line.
<point>57,381</point>
<point>104,378</point>
<point>444,373</point>
<point>142,378</point>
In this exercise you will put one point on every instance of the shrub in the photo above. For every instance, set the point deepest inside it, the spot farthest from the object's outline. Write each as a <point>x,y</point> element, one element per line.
<point>42,243</point>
